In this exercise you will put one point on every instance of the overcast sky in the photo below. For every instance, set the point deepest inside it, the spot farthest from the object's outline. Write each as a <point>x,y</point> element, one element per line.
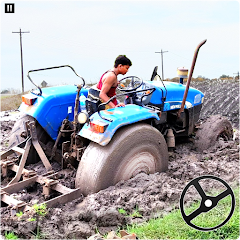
<point>89,35</point>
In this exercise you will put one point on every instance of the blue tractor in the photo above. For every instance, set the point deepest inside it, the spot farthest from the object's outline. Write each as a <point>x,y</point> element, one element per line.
<point>107,146</point>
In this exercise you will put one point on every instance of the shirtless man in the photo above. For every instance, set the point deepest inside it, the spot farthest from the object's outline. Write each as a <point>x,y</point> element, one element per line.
<point>108,82</point>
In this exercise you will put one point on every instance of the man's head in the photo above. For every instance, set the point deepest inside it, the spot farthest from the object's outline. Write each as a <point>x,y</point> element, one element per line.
<point>122,63</point>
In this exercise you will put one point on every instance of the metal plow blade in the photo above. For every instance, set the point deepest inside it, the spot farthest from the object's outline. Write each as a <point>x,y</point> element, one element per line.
<point>25,178</point>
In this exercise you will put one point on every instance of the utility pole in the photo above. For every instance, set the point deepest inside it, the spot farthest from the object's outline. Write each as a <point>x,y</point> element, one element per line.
<point>237,74</point>
<point>162,62</point>
<point>20,33</point>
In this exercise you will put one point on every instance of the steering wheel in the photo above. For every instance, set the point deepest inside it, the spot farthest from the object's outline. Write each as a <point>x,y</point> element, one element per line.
<point>129,84</point>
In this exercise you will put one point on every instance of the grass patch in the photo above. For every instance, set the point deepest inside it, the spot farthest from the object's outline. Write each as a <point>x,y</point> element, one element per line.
<point>10,235</point>
<point>3,96</point>
<point>10,102</point>
<point>172,226</point>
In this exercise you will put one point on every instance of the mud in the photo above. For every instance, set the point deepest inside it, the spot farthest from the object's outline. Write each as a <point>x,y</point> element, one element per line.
<point>142,197</point>
<point>7,121</point>
<point>221,97</point>
<point>5,130</point>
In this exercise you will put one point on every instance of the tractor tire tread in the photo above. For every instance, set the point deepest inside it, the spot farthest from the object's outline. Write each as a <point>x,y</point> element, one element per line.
<point>211,129</point>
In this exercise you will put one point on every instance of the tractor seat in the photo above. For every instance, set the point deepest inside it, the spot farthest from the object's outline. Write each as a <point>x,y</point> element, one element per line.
<point>93,100</point>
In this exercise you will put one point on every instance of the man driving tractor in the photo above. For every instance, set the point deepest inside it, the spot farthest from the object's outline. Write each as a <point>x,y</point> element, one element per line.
<point>108,82</point>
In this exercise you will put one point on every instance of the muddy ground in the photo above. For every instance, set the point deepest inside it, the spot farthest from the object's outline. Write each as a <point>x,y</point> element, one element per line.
<point>151,195</point>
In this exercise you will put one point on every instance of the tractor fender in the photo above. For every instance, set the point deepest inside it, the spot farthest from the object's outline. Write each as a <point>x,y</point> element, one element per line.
<point>120,117</point>
<point>52,107</point>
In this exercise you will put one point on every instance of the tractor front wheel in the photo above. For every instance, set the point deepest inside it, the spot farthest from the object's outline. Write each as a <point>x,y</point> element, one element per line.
<point>211,130</point>
<point>133,149</point>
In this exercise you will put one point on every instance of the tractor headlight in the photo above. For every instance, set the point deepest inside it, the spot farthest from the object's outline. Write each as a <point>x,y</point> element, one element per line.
<point>82,117</point>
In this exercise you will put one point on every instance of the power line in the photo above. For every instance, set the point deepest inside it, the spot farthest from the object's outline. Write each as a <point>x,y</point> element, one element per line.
<point>162,61</point>
<point>20,33</point>
<point>237,74</point>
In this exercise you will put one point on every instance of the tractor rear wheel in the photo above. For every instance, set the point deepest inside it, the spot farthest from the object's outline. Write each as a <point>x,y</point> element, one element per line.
<point>209,132</point>
<point>133,149</point>
<point>16,136</point>
<point>18,128</point>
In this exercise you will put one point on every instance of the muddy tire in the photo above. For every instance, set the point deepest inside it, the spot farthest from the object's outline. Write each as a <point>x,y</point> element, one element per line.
<point>209,132</point>
<point>16,138</point>
<point>19,127</point>
<point>133,149</point>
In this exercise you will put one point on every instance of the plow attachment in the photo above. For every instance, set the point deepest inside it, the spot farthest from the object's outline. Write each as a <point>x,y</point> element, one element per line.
<point>25,178</point>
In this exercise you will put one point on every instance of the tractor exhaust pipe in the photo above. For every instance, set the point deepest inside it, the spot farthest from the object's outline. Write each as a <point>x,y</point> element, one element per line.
<point>190,77</point>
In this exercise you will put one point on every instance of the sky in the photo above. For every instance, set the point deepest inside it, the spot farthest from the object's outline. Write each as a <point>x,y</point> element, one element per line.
<point>89,35</point>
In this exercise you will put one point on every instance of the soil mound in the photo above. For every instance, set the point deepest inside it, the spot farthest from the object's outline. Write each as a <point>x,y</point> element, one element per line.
<point>220,97</point>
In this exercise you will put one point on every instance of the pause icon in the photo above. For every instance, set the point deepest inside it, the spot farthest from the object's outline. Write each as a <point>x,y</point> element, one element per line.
<point>9,7</point>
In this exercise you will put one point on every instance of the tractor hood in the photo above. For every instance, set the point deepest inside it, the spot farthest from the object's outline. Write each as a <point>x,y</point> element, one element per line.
<point>174,96</point>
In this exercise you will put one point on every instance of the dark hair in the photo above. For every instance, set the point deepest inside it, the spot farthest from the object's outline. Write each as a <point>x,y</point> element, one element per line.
<point>122,59</point>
